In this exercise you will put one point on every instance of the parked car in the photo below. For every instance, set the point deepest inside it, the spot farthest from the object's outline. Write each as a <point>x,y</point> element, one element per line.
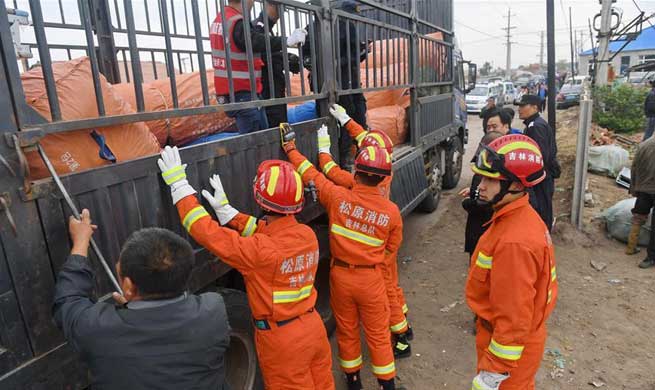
<point>477,98</point>
<point>569,95</point>
<point>510,92</point>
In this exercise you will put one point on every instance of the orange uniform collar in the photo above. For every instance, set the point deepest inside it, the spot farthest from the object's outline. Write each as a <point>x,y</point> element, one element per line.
<point>364,189</point>
<point>523,201</point>
<point>279,224</point>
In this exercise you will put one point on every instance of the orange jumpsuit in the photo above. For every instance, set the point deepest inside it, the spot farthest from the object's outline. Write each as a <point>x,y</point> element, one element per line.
<point>364,227</point>
<point>343,178</point>
<point>278,263</point>
<point>512,288</point>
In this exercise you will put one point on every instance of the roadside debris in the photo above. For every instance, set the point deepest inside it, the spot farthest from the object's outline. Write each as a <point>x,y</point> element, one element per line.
<point>598,265</point>
<point>597,382</point>
<point>446,309</point>
<point>614,281</point>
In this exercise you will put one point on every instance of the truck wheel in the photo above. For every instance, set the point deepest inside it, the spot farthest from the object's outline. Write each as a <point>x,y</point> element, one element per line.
<point>453,169</point>
<point>241,367</point>
<point>431,202</point>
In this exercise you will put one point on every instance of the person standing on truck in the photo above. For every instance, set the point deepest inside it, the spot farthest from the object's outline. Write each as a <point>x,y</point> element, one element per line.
<point>275,114</point>
<point>278,258</point>
<point>642,186</point>
<point>365,228</point>
<point>512,280</point>
<point>248,120</point>
<point>649,111</point>
<point>160,336</point>
<point>399,325</point>
<point>541,132</point>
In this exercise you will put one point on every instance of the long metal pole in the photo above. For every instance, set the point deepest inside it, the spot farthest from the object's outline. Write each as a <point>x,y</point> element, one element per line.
<point>76,214</point>
<point>572,49</point>
<point>604,42</point>
<point>582,152</point>
<point>550,26</point>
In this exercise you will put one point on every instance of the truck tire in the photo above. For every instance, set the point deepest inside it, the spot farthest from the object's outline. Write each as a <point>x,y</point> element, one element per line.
<point>454,158</point>
<point>435,182</point>
<point>241,367</point>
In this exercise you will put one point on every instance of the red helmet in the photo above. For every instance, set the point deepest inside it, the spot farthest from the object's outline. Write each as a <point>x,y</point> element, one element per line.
<point>373,161</point>
<point>513,157</point>
<point>278,187</point>
<point>379,139</point>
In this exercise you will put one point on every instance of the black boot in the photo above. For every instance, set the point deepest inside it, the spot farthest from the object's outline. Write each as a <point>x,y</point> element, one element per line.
<point>647,263</point>
<point>410,333</point>
<point>401,347</point>
<point>389,384</point>
<point>354,381</point>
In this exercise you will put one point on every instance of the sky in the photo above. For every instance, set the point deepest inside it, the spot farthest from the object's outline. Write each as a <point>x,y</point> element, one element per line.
<point>479,23</point>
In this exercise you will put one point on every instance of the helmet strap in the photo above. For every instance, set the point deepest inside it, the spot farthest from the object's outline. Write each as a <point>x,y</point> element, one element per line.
<point>504,190</point>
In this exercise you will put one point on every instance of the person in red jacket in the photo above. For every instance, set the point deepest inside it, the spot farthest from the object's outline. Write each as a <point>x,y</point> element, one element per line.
<point>512,281</point>
<point>278,258</point>
<point>365,228</point>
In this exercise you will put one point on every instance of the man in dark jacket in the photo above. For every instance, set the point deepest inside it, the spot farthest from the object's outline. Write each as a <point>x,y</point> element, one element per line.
<point>642,186</point>
<point>486,112</point>
<point>160,337</point>
<point>649,110</point>
<point>539,130</point>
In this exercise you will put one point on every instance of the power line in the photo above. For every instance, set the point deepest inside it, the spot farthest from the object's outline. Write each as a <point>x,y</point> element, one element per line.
<point>478,31</point>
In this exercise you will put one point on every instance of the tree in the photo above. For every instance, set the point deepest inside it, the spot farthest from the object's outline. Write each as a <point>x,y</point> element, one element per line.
<point>485,69</point>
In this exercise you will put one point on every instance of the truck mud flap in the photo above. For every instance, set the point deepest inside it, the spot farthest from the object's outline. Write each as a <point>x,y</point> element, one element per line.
<point>409,185</point>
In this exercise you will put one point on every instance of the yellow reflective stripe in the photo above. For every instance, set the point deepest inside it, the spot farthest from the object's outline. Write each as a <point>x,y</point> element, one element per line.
<point>324,142</point>
<point>272,181</point>
<point>351,363</point>
<point>328,167</point>
<point>174,174</point>
<point>293,295</point>
<point>401,346</point>
<point>405,309</point>
<point>477,385</point>
<point>299,186</point>
<point>387,156</point>
<point>508,352</point>
<point>371,152</point>
<point>361,137</point>
<point>355,236</point>
<point>192,216</point>
<point>399,326</point>
<point>249,229</point>
<point>384,370</point>
<point>303,167</point>
<point>483,261</point>
<point>550,296</point>
<point>553,274</point>
<point>378,138</point>
<point>493,175</point>
<point>519,145</point>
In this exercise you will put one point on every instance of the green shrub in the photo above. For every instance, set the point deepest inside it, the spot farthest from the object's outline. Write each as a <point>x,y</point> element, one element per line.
<point>620,108</point>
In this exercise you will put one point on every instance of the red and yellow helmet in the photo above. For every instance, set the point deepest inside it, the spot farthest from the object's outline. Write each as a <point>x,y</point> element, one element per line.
<point>378,139</point>
<point>278,187</point>
<point>513,157</point>
<point>373,161</point>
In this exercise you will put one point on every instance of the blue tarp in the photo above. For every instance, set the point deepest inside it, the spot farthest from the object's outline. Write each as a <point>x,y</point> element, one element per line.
<point>302,113</point>
<point>211,138</point>
<point>645,41</point>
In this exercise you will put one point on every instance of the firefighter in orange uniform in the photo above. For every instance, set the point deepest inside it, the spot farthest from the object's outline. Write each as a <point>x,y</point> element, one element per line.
<point>364,228</point>
<point>512,282</point>
<point>399,324</point>
<point>278,258</point>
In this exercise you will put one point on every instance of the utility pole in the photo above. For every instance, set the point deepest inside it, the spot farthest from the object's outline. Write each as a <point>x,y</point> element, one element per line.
<point>541,52</point>
<point>550,26</point>
<point>508,64</point>
<point>603,42</point>
<point>572,46</point>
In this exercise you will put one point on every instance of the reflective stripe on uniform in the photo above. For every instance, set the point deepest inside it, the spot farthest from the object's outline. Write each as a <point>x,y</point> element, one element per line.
<point>399,326</point>
<point>483,261</point>
<point>324,141</point>
<point>192,216</point>
<point>509,352</point>
<point>293,295</point>
<point>237,74</point>
<point>351,363</point>
<point>553,274</point>
<point>361,137</point>
<point>328,167</point>
<point>477,385</point>
<point>249,229</point>
<point>174,174</point>
<point>303,167</point>
<point>405,309</point>
<point>355,236</point>
<point>384,370</point>
<point>550,296</point>
<point>233,55</point>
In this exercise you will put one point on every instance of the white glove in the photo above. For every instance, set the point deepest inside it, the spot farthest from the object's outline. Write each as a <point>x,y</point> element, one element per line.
<point>323,140</point>
<point>297,37</point>
<point>219,202</point>
<point>173,173</point>
<point>339,113</point>
<point>486,380</point>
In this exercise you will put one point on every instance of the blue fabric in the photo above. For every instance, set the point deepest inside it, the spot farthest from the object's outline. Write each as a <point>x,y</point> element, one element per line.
<point>514,130</point>
<point>104,152</point>
<point>302,113</point>
<point>210,138</point>
<point>248,120</point>
<point>645,41</point>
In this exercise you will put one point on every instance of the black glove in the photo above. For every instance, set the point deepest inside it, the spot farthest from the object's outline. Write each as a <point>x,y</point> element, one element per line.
<point>294,63</point>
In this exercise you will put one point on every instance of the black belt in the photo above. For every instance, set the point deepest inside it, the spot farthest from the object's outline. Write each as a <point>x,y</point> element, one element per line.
<point>266,324</point>
<point>341,263</point>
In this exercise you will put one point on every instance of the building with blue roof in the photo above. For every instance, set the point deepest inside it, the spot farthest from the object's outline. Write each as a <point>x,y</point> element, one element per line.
<point>639,51</point>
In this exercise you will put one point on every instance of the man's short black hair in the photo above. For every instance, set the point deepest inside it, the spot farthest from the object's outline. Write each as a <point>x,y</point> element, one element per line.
<point>369,180</point>
<point>510,111</point>
<point>158,262</point>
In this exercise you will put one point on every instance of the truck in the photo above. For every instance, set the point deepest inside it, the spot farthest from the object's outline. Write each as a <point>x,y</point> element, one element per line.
<point>173,37</point>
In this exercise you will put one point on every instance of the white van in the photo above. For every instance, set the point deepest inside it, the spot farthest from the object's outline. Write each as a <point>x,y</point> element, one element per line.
<point>477,98</point>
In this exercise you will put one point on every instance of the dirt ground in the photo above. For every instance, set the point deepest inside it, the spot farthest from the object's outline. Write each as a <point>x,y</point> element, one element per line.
<point>600,335</point>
